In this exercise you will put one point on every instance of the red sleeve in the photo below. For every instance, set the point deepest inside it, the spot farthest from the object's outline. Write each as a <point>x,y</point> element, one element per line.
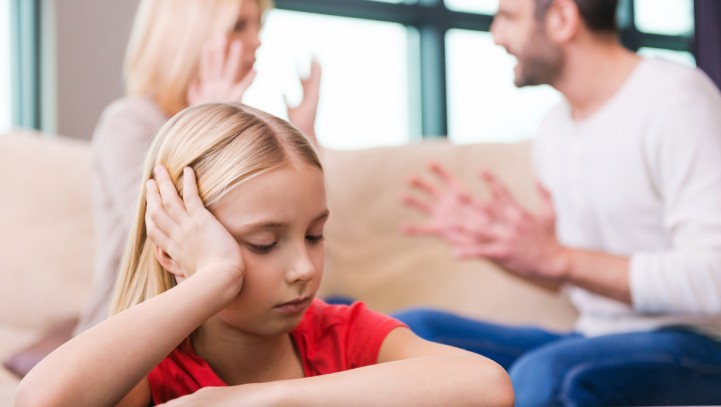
<point>334,338</point>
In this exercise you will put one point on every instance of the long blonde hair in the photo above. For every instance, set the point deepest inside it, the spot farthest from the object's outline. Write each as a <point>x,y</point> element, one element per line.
<point>165,45</point>
<point>225,144</point>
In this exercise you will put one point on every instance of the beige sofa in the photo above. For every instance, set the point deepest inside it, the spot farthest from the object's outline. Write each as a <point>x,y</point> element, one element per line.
<point>47,245</point>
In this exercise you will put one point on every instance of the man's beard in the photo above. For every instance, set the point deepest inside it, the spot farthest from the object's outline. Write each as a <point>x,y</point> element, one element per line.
<point>540,63</point>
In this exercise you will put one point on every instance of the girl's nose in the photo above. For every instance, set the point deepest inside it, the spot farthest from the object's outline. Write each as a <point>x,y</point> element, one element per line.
<point>302,268</point>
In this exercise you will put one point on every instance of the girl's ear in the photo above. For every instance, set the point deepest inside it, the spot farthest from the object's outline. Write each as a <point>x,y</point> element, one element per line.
<point>169,264</point>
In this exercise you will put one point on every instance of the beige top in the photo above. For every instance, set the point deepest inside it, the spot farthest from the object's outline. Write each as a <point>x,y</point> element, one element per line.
<point>121,140</point>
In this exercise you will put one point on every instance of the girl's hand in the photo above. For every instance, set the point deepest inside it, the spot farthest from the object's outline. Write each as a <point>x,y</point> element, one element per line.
<point>217,76</point>
<point>256,394</point>
<point>186,232</point>
<point>303,115</point>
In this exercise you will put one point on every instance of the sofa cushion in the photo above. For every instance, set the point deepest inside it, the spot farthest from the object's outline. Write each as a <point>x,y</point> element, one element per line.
<point>47,254</point>
<point>368,259</point>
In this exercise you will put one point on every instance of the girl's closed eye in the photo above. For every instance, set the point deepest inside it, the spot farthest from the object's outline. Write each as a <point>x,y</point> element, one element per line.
<point>313,239</point>
<point>262,248</point>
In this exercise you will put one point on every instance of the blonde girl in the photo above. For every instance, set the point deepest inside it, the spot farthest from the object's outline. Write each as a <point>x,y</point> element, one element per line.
<point>181,53</point>
<point>216,303</point>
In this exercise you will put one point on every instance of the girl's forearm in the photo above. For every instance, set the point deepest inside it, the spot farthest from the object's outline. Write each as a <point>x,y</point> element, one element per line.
<point>103,364</point>
<point>457,380</point>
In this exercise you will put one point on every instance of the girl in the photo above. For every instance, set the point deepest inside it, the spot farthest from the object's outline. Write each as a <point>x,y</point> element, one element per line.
<point>181,53</point>
<point>215,301</point>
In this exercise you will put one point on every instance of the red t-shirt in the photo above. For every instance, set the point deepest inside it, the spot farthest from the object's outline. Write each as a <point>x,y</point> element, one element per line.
<point>329,338</point>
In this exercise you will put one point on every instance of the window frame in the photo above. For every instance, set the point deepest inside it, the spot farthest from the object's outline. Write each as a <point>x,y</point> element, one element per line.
<point>432,19</point>
<point>25,52</point>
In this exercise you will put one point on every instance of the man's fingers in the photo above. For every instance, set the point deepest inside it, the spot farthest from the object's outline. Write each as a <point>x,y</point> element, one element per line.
<point>491,251</point>
<point>423,186</point>
<point>547,208</point>
<point>445,176</point>
<point>416,229</point>
<point>415,203</point>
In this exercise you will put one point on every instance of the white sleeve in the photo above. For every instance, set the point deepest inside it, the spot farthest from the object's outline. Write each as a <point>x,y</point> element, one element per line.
<point>685,161</point>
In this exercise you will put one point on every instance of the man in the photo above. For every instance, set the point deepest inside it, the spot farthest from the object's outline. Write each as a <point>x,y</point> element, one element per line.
<point>630,222</point>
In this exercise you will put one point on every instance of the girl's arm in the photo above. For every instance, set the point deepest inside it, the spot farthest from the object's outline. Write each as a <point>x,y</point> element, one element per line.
<point>99,367</point>
<point>104,364</point>
<point>410,372</point>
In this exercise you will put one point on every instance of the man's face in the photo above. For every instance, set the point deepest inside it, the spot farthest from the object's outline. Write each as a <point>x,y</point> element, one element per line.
<point>517,29</point>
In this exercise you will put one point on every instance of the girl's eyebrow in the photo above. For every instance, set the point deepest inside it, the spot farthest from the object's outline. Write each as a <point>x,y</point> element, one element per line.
<point>277,225</point>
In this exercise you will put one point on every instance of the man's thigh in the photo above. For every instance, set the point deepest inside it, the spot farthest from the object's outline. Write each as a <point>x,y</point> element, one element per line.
<point>651,368</point>
<point>500,343</point>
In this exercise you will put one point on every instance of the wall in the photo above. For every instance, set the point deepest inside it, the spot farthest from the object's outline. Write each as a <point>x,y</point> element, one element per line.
<point>84,43</point>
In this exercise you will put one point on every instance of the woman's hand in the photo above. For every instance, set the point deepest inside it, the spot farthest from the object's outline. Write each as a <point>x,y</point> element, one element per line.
<point>217,79</point>
<point>303,115</point>
<point>186,232</point>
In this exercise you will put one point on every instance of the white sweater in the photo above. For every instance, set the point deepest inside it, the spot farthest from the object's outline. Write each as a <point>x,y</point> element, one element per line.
<point>642,178</point>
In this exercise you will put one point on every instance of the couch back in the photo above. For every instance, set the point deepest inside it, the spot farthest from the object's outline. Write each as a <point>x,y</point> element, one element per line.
<point>47,243</point>
<point>367,257</point>
<point>46,250</point>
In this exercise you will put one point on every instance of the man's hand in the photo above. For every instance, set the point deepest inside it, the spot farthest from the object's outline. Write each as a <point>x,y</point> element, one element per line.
<point>499,229</point>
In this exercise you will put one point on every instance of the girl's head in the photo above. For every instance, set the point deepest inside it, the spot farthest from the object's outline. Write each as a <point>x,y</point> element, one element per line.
<point>263,181</point>
<point>164,52</point>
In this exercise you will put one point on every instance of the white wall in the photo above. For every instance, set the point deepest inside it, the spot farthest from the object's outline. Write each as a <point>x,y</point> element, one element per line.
<point>86,42</point>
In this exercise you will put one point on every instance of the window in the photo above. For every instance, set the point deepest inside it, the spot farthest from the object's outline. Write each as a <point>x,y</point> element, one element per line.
<point>474,6</point>
<point>432,68</point>
<point>5,93</point>
<point>483,102</point>
<point>671,18</point>
<point>364,98</point>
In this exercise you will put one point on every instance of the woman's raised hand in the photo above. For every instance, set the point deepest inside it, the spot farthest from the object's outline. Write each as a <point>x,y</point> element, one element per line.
<point>192,238</point>
<point>217,79</point>
<point>303,115</point>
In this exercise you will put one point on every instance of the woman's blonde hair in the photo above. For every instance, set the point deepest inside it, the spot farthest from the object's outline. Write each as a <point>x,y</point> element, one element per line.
<point>165,45</point>
<point>225,144</point>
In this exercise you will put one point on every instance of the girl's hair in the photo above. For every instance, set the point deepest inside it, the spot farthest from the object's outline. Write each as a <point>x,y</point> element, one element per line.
<point>225,144</point>
<point>165,46</point>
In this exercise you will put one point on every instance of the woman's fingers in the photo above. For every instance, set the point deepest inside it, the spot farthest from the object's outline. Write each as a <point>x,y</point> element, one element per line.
<point>232,63</point>
<point>240,88</point>
<point>218,48</point>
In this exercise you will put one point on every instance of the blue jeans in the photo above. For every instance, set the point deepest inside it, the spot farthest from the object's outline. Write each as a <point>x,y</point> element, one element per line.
<point>662,367</point>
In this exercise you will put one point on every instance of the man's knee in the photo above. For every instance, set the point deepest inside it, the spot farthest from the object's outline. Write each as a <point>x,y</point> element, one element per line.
<point>536,380</point>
